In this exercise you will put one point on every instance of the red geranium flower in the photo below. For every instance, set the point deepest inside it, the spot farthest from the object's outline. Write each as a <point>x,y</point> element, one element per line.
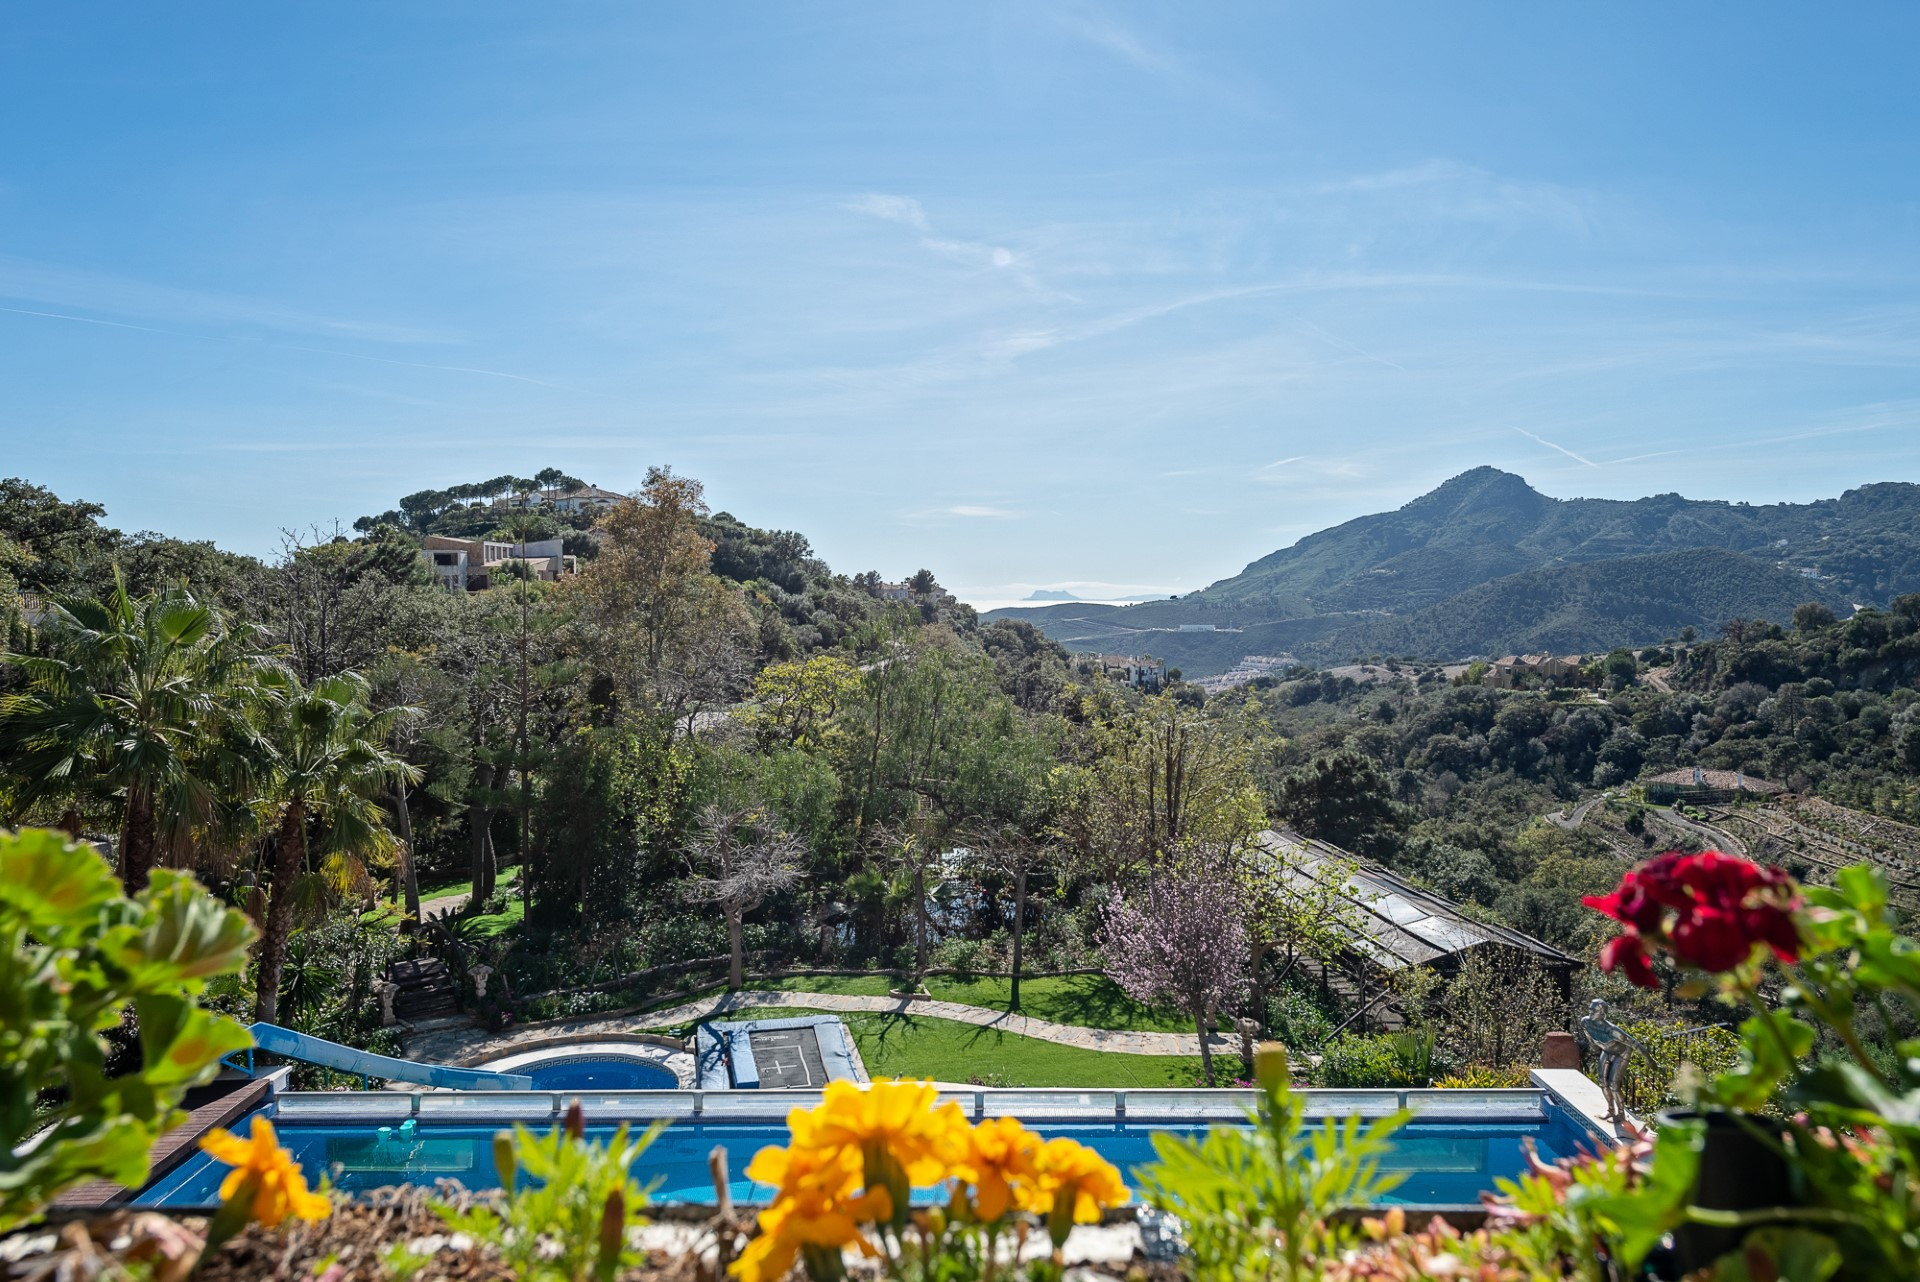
<point>1709,910</point>
<point>1629,952</point>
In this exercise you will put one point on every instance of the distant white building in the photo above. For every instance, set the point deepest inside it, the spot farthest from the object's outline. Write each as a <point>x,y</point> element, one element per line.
<point>470,563</point>
<point>1142,672</point>
<point>586,498</point>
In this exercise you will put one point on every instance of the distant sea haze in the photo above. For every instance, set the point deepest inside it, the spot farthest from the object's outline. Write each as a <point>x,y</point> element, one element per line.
<point>986,603</point>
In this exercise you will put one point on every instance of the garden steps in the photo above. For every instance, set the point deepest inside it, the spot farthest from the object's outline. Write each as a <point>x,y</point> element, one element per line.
<point>1383,1018</point>
<point>428,990</point>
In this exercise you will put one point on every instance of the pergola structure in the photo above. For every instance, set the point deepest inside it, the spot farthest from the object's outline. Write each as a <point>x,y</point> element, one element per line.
<point>1401,925</point>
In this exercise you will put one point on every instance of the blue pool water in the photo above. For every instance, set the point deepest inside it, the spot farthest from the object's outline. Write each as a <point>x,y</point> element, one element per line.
<point>589,1074</point>
<point>1445,1163</point>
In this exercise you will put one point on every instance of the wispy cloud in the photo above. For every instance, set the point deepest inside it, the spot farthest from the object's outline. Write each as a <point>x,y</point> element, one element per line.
<point>908,212</point>
<point>895,209</point>
<point>1446,190</point>
<point>124,296</point>
<point>450,369</point>
<point>1104,33</point>
<point>977,510</point>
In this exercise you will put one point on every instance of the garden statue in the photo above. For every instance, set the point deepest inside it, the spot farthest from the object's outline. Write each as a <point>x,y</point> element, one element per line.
<point>386,991</point>
<point>481,974</point>
<point>1615,1044</point>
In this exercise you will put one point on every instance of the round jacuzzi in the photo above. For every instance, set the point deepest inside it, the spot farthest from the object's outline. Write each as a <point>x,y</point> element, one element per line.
<point>654,1064</point>
<point>598,1073</point>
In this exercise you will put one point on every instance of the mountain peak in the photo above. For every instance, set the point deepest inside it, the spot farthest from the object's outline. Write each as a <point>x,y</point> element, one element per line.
<point>1480,487</point>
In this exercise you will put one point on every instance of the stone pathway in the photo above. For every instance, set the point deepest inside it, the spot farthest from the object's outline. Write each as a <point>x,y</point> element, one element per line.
<point>470,1046</point>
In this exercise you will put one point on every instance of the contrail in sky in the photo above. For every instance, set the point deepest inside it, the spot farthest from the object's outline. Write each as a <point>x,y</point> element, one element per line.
<point>1550,445</point>
<point>84,320</point>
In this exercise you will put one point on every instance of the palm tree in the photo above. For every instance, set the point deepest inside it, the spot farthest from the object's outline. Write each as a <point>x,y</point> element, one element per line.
<point>134,700</point>
<point>329,767</point>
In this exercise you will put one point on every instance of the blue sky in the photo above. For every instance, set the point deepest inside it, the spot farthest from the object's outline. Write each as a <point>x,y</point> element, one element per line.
<point>1111,296</point>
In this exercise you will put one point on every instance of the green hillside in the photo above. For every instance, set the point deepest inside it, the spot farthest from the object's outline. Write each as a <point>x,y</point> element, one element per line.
<point>1485,524</point>
<point>1624,601</point>
<point>1486,564</point>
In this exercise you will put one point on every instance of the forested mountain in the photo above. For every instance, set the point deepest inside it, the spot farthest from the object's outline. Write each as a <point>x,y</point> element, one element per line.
<point>1628,600</point>
<point>1487,564</point>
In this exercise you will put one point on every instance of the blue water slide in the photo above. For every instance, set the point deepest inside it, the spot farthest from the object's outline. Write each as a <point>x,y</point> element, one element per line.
<point>284,1042</point>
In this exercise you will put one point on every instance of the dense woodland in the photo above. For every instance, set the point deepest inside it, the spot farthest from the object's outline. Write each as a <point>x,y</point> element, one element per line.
<point>709,745</point>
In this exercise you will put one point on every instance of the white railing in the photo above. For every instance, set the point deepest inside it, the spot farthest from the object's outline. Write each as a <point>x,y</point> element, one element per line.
<point>1038,1105</point>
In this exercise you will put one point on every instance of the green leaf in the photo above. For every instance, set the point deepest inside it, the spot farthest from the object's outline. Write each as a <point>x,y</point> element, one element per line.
<point>1888,960</point>
<point>182,1044</point>
<point>1772,1047</point>
<point>77,955</point>
<point>51,881</point>
<point>1864,887</point>
<point>1848,1088</point>
<point>1638,1217</point>
<point>183,623</point>
<point>1779,1254</point>
<point>188,936</point>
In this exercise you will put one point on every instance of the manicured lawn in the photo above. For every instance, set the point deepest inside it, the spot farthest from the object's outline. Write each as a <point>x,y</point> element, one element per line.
<point>1089,1001</point>
<point>389,910</point>
<point>856,985</point>
<point>437,889</point>
<point>498,923</point>
<point>1086,1001</point>
<point>915,1046</point>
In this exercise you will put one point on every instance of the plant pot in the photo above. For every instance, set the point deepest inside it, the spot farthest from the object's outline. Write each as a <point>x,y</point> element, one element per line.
<point>1740,1170</point>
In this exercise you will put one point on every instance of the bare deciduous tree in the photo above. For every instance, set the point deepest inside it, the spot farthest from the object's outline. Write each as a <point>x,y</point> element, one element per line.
<point>1012,853</point>
<point>738,860</point>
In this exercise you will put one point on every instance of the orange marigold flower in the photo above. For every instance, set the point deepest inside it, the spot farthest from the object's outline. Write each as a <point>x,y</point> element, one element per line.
<point>1073,1184</point>
<point>807,1172</point>
<point>1001,1164</point>
<point>896,1122</point>
<point>802,1223</point>
<point>278,1188</point>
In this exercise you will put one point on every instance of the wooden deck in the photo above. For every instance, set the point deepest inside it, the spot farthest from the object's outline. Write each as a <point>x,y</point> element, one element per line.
<point>173,1148</point>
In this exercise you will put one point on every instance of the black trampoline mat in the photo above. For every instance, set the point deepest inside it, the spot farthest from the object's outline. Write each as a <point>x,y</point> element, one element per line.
<point>788,1057</point>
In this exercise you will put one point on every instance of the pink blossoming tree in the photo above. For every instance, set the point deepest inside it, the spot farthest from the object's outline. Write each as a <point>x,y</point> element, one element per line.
<point>1182,942</point>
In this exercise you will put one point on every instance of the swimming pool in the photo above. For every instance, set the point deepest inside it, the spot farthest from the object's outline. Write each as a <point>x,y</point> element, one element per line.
<point>590,1073</point>
<point>1450,1154</point>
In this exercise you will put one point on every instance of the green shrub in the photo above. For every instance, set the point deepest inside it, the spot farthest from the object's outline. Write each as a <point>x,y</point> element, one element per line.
<point>1712,1050</point>
<point>956,953</point>
<point>571,1217</point>
<point>1257,1203</point>
<point>1486,1077</point>
<point>1363,1060</point>
<point>75,956</point>
<point>1298,1017</point>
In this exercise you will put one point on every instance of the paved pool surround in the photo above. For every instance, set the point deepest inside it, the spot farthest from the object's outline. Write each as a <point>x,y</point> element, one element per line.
<point>663,1055</point>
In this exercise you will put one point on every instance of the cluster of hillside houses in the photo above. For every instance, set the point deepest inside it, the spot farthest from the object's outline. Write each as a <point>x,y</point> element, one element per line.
<point>1514,671</point>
